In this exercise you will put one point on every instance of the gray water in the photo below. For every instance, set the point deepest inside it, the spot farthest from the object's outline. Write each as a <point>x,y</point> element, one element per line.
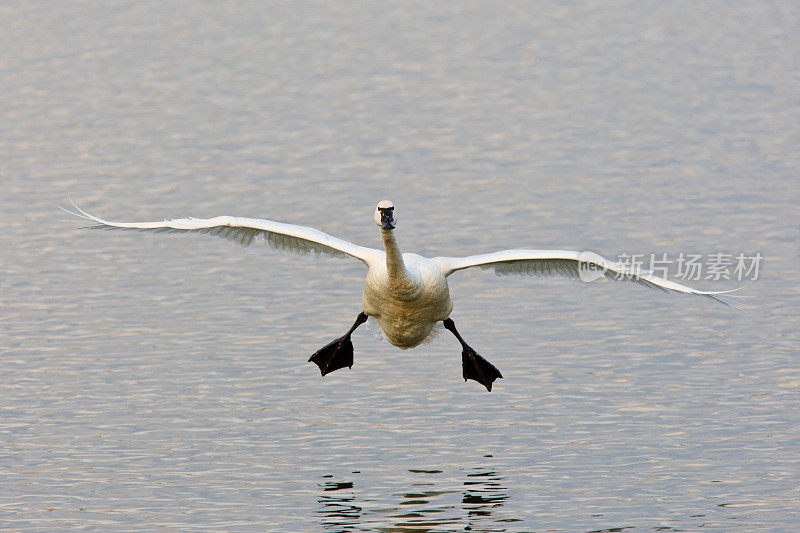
<point>160,382</point>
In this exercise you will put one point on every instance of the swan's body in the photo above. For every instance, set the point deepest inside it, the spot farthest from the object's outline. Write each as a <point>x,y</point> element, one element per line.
<point>408,307</point>
<point>406,293</point>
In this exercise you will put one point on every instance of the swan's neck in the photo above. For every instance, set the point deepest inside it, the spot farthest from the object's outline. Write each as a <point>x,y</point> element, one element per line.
<point>394,257</point>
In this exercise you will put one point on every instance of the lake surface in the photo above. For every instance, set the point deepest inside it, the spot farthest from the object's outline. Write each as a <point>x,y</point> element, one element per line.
<point>154,381</point>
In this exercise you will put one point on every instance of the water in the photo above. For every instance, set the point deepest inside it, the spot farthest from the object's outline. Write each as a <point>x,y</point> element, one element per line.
<point>161,381</point>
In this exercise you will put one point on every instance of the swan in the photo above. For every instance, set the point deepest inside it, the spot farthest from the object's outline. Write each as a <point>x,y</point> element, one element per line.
<point>407,294</point>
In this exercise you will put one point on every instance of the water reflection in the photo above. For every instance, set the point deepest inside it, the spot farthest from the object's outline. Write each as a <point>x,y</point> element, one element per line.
<point>483,495</point>
<point>338,509</point>
<point>432,503</point>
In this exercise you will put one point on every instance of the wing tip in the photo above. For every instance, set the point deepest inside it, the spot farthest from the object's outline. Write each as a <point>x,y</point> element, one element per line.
<point>727,299</point>
<point>80,213</point>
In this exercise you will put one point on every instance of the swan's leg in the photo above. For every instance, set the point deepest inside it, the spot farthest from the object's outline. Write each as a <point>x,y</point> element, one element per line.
<point>474,366</point>
<point>339,353</point>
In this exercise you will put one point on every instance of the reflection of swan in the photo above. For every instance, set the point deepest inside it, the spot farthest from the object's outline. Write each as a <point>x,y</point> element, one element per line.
<point>406,293</point>
<point>431,502</point>
<point>338,509</point>
<point>484,492</point>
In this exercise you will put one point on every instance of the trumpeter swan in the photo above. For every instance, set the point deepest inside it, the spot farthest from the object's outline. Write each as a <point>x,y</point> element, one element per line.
<point>406,293</point>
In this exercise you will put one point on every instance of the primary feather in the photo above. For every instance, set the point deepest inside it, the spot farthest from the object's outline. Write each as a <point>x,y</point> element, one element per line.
<point>567,264</point>
<point>243,231</point>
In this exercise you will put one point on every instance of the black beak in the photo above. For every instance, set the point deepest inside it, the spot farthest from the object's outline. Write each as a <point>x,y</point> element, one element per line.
<point>387,218</point>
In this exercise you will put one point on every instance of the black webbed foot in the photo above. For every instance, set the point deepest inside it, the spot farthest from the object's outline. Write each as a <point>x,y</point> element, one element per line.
<point>338,354</point>
<point>473,365</point>
<point>476,367</point>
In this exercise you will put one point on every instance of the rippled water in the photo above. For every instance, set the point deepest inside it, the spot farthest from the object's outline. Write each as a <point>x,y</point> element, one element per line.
<point>161,381</point>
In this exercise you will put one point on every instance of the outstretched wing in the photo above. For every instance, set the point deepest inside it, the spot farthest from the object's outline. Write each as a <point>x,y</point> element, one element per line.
<point>564,263</point>
<point>244,231</point>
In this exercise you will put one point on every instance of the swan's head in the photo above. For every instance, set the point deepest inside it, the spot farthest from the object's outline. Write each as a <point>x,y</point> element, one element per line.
<point>384,215</point>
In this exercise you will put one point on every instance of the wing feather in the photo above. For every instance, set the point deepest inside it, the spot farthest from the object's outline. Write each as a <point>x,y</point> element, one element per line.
<point>569,264</point>
<point>289,238</point>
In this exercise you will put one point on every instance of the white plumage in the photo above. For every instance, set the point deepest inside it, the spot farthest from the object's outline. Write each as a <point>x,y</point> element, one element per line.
<point>406,293</point>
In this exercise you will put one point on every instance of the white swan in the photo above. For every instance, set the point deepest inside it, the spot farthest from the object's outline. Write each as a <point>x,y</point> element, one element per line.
<point>406,293</point>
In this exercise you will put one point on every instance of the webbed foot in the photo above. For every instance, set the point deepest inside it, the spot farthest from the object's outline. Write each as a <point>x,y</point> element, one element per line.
<point>473,365</point>
<point>476,367</point>
<point>338,354</point>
